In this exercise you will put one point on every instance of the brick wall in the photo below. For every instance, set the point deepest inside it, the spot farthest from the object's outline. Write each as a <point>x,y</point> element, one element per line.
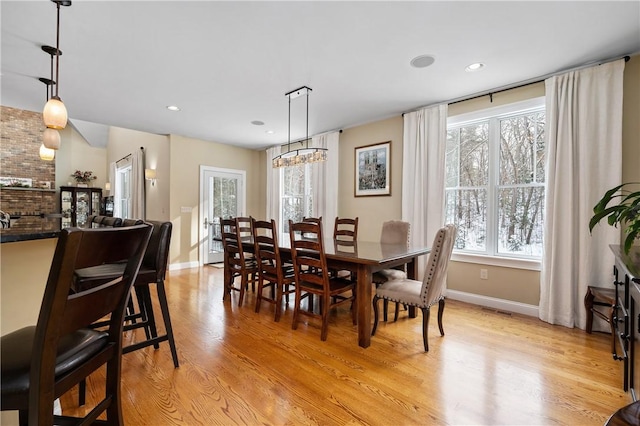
<point>29,204</point>
<point>21,133</point>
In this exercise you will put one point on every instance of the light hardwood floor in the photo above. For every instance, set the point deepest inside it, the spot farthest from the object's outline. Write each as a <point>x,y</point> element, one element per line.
<point>240,367</point>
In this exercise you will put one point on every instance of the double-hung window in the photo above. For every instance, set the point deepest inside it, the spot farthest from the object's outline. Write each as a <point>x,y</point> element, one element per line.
<point>296,195</point>
<point>122,192</point>
<point>495,180</point>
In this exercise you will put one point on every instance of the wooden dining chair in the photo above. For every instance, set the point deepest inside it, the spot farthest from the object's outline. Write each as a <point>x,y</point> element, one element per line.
<point>426,293</point>
<point>345,235</point>
<point>312,276</point>
<point>42,362</point>
<point>393,232</point>
<point>273,274</point>
<point>236,264</point>
<point>345,229</point>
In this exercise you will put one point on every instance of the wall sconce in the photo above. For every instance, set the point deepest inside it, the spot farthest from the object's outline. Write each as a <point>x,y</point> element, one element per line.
<point>150,174</point>
<point>107,186</point>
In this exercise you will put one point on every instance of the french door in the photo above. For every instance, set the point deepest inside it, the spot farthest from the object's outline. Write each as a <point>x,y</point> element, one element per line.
<point>222,194</point>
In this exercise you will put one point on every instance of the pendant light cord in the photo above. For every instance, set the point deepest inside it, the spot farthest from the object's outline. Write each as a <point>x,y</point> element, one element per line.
<point>57,52</point>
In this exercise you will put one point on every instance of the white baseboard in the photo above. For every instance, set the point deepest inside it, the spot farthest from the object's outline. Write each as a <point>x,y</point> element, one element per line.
<point>185,265</point>
<point>492,302</point>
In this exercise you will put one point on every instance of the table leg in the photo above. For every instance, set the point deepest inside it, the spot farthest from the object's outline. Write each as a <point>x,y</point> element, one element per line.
<point>412,273</point>
<point>364,306</point>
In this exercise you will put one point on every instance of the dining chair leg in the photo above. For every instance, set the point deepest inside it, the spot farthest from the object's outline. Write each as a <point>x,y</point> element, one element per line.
<point>395,315</point>
<point>385,308</point>
<point>143,312</point>
<point>164,308</point>
<point>279,291</point>
<point>243,286</point>
<point>440,311</point>
<point>296,310</point>
<point>144,292</point>
<point>425,328</point>
<point>82,392</point>
<point>325,318</point>
<point>375,315</point>
<point>259,295</point>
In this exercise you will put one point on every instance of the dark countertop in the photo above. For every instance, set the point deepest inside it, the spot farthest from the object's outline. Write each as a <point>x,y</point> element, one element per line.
<point>31,227</point>
<point>12,238</point>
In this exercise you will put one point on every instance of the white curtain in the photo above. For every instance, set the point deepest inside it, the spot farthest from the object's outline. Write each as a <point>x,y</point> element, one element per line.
<point>423,174</point>
<point>324,183</point>
<point>112,179</point>
<point>273,185</point>
<point>584,146</point>
<point>137,185</point>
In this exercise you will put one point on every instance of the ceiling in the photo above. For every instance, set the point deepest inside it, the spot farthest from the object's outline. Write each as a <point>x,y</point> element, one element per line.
<point>226,64</point>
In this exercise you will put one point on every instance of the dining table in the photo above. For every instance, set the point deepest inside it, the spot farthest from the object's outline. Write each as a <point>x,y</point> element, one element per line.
<point>362,259</point>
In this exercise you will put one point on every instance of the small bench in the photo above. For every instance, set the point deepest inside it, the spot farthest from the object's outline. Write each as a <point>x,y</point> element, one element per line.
<point>601,302</point>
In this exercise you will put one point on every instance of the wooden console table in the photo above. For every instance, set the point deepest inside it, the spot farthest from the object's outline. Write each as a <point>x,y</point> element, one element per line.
<point>627,316</point>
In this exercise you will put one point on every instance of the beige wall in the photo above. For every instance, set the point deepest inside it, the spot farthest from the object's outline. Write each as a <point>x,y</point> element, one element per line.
<point>23,277</point>
<point>631,122</point>
<point>123,142</point>
<point>371,211</point>
<point>187,155</point>
<point>75,153</point>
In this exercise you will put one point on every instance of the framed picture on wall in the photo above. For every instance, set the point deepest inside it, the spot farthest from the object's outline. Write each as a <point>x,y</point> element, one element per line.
<point>373,170</point>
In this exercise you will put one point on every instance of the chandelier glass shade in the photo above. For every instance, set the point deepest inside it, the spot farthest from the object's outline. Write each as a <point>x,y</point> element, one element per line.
<point>300,156</point>
<point>47,154</point>
<point>55,114</point>
<point>51,138</point>
<point>304,155</point>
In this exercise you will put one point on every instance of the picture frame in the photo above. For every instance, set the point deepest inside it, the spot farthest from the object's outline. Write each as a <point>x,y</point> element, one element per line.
<point>373,170</point>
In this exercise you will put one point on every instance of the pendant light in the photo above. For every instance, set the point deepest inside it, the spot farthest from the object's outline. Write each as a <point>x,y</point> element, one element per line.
<point>47,154</point>
<point>302,155</point>
<point>50,137</point>
<point>55,113</point>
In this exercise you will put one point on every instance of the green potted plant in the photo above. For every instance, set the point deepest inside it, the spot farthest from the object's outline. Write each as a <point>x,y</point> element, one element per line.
<point>83,178</point>
<point>625,212</point>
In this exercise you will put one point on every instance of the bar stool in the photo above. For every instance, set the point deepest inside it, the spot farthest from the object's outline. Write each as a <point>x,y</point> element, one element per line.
<point>601,301</point>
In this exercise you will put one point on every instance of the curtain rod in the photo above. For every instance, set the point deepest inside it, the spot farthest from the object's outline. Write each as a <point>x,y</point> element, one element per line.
<point>128,155</point>
<point>524,83</point>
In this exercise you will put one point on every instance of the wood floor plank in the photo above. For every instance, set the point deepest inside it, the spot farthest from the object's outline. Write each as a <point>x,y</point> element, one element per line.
<point>239,367</point>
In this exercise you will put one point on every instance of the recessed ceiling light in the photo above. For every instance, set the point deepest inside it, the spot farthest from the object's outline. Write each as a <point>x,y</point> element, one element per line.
<point>270,132</point>
<point>173,108</point>
<point>422,61</point>
<point>476,66</point>
<point>257,123</point>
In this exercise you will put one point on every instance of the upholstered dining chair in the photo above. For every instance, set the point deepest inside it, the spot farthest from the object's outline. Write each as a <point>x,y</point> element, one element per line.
<point>42,362</point>
<point>393,232</point>
<point>273,274</point>
<point>312,276</point>
<point>236,263</point>
<point>423,294</point>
